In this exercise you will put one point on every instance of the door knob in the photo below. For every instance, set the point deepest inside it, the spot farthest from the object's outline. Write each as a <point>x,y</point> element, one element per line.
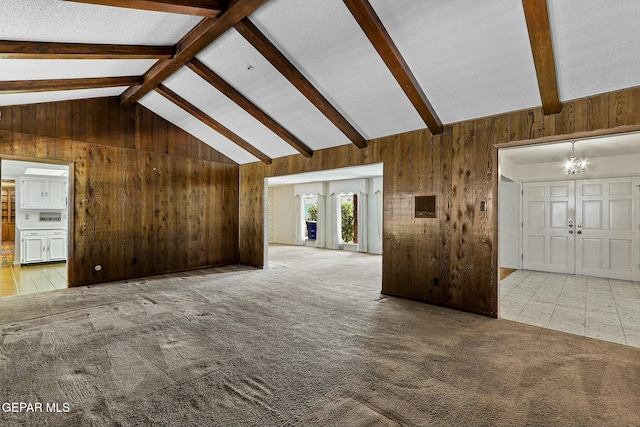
<point>579,231</point>
<point>570,231</point>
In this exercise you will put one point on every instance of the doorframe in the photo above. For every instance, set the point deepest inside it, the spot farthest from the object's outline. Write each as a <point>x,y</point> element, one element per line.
<point>574,136</point>
<point>521,228</point>
<point>70,203</point>
<point>265,221</point>
<point>265,204</point>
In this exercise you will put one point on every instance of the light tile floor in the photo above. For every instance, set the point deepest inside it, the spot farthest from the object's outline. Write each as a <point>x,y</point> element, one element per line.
<point>593,307</point>
<point>21,280</point>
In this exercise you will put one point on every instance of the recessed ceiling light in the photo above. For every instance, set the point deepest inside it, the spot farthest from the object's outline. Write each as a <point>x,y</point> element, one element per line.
<point>47,172</point>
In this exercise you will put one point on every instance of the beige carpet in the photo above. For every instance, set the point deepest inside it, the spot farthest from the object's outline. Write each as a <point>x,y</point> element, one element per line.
<point>308,342</point>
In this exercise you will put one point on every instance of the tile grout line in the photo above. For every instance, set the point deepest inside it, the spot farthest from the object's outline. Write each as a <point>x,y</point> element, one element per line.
<point>26,274</point>
<point>534,286</point>
<point>15,282</point>
<point>615,304</point>
<point>555,304</point>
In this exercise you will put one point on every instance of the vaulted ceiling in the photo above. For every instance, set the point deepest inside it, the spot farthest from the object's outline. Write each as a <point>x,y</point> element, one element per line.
<point>261,79</point>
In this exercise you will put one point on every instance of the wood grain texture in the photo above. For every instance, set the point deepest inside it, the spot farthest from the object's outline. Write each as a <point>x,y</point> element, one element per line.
<point>537,17</point>
<point>23,86</point>
<point>230,92</point>
<point>203,34</point>
<point>11,49</point>
<point>460,167</point>
<point>137,198</point>
<point>262,44</point>
<point>211,122</point>
<point>100,121</point>
<point>206,8</point>
<point>377,34</point>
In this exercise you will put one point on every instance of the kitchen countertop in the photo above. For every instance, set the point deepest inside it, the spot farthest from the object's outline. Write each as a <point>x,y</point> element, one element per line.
<point>42,227</point>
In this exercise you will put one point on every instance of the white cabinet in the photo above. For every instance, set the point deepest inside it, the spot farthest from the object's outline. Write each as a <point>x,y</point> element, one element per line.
<point>43,245</point>
<point>56,194</point>
<point>31,193</point>
<point>43,193</point>
<point>33,246</point>
<point>57,245</point>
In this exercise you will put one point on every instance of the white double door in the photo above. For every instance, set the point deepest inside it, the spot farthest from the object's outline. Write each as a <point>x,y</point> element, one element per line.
<point>585,227</point>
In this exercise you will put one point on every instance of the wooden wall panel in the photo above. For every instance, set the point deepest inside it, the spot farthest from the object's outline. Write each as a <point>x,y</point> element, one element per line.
<point>140,207</point>
<point>445,230</point>
<point>104,121</point>
<point>460,166</point>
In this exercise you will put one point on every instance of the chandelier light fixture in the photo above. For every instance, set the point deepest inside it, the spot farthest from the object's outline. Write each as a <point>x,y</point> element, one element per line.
<point>574,166</point>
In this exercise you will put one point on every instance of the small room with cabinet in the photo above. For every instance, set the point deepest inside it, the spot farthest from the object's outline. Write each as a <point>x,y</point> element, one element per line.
<point>35,217</point>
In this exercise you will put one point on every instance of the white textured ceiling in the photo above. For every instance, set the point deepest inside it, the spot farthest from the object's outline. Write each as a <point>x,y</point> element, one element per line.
<point>68,22</point>
<point>64,95</point>
<point>596,45</point>
<point>37,69</point>
<point>15,168</point>
<point>326,44</point>
<point>614,145</point>
<point>472,59</point>
<point>368,171</point>
<point>179,117</point>
<point>208,99</point>
<point>238,63</point>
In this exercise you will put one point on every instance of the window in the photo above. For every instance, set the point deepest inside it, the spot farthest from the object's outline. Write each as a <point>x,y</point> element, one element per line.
<point>311,208</point>
<point>349,217</point>
<point>310,216</point>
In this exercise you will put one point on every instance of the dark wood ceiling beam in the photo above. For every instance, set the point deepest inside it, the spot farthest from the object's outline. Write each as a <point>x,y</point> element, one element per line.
<point>537,17</point>
<point>230,92</point>
<point>20,86</point>
<point>46,50</point>
<point>191,44</point>
<point>211,122</point>
<point>377,34</point>
<point>259,41</point>
<point>208,8</point>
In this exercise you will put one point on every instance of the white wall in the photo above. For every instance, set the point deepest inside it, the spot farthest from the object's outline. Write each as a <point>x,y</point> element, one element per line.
<point>348,186</point>
<point>508,217</point>
<point>374,228</point>
<point>270,213</point>
<point>283,214</point>
<point>508,169</point>
<point>308,189</point>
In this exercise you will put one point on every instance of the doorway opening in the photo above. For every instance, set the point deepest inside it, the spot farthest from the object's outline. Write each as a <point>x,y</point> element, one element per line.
<point>569,240</point>
<point>35,227</point>
<point>338,209</point>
